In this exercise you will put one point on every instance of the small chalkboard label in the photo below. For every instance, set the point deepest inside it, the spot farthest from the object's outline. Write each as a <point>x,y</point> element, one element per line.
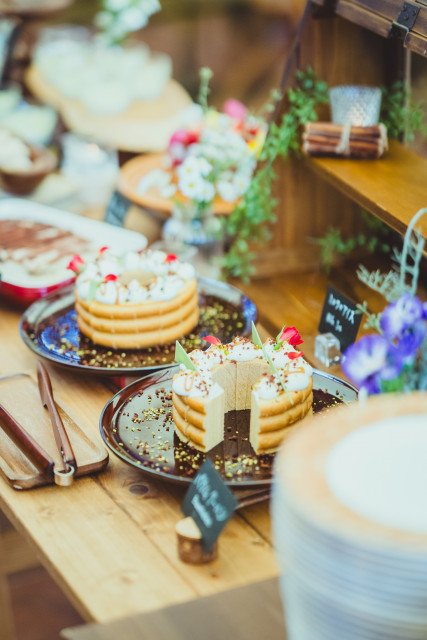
<point>117,209</point>
<point>340,317</point>
<point>210,503</point>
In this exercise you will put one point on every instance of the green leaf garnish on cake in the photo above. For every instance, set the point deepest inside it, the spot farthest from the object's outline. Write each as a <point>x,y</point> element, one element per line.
<point>93,286</point>
<point>257,341</point>
<point>182,357</point>
<point>279,342</point>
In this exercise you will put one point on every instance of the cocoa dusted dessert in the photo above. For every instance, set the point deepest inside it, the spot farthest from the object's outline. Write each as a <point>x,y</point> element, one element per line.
<point>29,249</point>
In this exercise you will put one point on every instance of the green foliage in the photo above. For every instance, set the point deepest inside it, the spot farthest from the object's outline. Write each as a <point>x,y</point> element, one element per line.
<point>204,90</point>
<point>332,243</point>
<point>402,117</point>
<point>249,220</point>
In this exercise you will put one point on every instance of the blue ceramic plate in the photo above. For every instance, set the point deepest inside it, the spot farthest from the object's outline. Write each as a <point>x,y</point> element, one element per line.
<point>49,328</point>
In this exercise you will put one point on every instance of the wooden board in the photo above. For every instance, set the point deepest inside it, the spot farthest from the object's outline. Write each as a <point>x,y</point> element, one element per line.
<point>135,169</point>
<point>393,188</point>
<point>19,395</point>
<point>146,125</point>
<point>30,8</point>
<point>252,611</point>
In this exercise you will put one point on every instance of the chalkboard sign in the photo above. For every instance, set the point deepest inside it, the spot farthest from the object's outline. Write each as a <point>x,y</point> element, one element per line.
<point>210,503</point>
<point>340,317</point>
<point>117,209</point>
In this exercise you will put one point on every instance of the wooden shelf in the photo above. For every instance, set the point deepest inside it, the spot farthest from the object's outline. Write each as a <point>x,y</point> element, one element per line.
<point>393,188</point>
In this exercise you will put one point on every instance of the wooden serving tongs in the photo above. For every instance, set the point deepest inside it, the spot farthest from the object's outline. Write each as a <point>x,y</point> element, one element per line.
<point>61,473</point>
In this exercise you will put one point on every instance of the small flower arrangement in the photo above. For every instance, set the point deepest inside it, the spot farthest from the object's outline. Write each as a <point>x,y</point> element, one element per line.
<point>118,18</point>
<point>214,157</point>
<point>394,358</point>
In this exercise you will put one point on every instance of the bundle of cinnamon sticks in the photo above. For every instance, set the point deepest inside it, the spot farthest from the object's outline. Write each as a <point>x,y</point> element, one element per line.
<point>328,139</point>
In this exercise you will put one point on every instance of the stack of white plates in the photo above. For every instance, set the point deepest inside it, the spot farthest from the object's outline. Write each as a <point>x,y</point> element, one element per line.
<point>350,522</point>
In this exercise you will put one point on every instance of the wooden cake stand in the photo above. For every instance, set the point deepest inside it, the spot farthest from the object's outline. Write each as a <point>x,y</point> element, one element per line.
<point>27,8</point>
<point>145,126</point>
<point>135,169</point>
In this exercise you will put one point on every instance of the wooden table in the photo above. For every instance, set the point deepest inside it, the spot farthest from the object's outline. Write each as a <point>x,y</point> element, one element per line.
<point>252,611</point>
<point>109,540</point>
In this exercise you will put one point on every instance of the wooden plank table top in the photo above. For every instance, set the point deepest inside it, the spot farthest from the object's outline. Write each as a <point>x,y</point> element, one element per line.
<point>109,540</point>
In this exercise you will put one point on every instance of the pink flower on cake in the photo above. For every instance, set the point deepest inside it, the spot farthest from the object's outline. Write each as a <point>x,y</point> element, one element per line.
<point>76,264</point>
<point>111,277</point>
<point>102,249</point>
<point>212,340</point>
<point>171,257</point>
<point>292,336</point>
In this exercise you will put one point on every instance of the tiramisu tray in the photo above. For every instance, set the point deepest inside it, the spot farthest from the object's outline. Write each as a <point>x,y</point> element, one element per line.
<point>37,243</point>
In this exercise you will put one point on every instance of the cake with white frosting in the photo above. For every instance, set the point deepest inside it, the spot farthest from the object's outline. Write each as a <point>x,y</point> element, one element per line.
<point>136,299</point>
<point>238,376</point>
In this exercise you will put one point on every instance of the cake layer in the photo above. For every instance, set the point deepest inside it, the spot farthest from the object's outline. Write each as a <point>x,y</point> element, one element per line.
<point>284,419</point>
<point>141,309</point>
<point>284,401</point>
<point>188,432</point>
<point>190,415</point>
<point>140,340</point>
<point>145,323</point>
<point>269,442</point>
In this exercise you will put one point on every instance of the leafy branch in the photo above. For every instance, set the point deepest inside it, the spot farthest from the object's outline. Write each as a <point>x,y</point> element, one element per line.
<point>402,116</point>
<point>333,244</point>
<point>250,218</point>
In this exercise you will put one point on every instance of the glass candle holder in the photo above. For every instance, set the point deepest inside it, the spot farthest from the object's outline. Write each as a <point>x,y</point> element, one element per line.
<point>355,105</point>
<point>91,167</point>
<point>327,349</point>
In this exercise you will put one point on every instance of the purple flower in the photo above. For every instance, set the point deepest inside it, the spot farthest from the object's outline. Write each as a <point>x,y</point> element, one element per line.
<point>401,315</point>
<point>372,359</point>
<point>411,339</point>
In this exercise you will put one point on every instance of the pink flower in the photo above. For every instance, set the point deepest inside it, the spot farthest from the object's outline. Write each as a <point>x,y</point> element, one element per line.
<point>178,137</point>
<point>102,249</point>
<point>294,354</point>
<point>212,340</point>
<point>291,335</point>
<point>235,109</point>
<point>110,277</point>
<point>171,257</point>
<point>76,264</point>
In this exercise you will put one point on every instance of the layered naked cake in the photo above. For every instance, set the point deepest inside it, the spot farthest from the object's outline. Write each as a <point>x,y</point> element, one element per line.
<point>135,300</point>
<point>238,376</point>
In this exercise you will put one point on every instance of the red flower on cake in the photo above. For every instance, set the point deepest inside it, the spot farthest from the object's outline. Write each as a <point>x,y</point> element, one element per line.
<point>292,355</point>
<point>212,340</point>
<point>76,264</point>
<point>110,277</point>
<point>102,249</point>
<point>171,257</point>
<point>292,336</point>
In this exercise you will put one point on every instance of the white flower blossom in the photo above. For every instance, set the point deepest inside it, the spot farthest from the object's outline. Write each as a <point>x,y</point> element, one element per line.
<point>157,179</point>
<point>132,19</point>
<point>227,190</point>
<point>195,167</point>
<point>116,5</point>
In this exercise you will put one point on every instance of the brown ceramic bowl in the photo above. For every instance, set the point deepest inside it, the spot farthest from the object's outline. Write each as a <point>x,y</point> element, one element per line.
<point>21,183</point>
